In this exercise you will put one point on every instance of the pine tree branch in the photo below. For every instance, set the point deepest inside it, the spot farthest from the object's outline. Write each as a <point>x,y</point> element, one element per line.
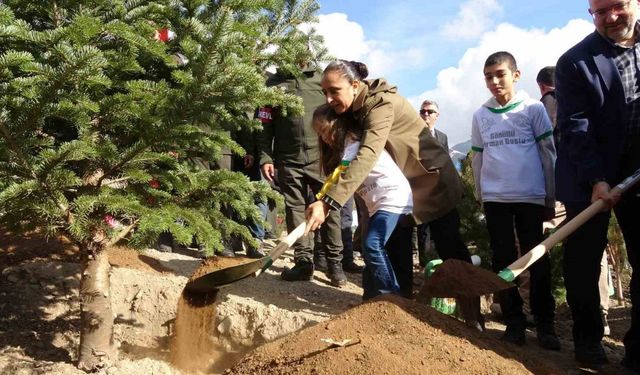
<point>66,213</point>
<point>123,233</point>
<point>122,163</point>
<point>118,183</point>
<point>50,94</point>
<point>6,134</point>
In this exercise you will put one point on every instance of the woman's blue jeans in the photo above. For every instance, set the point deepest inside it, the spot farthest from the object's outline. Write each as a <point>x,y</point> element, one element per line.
<point>378,277</point>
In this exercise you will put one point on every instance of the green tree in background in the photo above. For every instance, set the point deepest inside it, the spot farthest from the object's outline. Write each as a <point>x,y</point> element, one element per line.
<point>104,106</point>
<point>472,225</point>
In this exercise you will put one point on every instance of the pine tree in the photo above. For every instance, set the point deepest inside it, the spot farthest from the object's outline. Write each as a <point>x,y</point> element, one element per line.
<point>104,107</point>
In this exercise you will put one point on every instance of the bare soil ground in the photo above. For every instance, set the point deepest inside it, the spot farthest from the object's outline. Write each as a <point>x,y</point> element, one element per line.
<point>288,323</point>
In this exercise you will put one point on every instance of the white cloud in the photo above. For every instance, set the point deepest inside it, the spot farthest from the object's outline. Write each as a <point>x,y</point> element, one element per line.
<point>473,18</point>
<point>461,90</point>
<point>346,40</point>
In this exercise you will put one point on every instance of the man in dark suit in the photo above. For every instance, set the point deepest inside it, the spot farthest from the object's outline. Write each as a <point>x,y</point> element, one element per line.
<point>430,112</point>
<point>599,123</point>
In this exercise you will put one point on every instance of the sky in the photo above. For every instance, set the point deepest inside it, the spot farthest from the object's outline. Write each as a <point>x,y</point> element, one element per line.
<point>436,49</point>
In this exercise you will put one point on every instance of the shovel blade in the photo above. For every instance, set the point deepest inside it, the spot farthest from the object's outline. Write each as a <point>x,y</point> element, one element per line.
<point>212,281</point>
<point>455,278</point>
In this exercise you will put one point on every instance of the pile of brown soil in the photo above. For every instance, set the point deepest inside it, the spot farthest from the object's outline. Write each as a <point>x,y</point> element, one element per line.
<point>390,335</point>
<point>216,263</point>
<point>124,257</point>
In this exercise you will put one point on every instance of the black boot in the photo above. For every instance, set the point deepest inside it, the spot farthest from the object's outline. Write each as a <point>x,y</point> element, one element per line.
<point>352,267</point>
<point>515,334</point>
<point>336,275</point>
<point>590,353</point>
<point>229,253</point>
<point>228,250</point>
<point>302,271</point>
<point>547,337</point>
<point>320,263</point>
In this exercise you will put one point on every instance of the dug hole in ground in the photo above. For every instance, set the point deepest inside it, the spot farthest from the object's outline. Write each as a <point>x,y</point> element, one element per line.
<point>257,325</point>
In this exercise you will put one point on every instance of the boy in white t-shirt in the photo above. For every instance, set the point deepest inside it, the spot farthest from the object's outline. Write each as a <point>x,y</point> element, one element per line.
<point>513,166</point>
<point>385,192</point>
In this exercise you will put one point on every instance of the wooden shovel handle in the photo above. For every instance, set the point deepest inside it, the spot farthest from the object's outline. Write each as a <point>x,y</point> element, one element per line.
<point>289,240</point>
<point>283,246</point>
<point>522,263</point>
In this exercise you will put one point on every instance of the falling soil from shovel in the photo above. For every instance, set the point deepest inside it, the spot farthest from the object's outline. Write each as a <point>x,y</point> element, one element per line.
<point>195,346</point>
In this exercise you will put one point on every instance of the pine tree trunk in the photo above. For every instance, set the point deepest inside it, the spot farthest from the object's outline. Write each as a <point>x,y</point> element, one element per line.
<point>97,349</point>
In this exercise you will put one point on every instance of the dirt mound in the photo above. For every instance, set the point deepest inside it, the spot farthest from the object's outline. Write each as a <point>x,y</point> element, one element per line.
<point>216,263</point>
<point>393,336</point>
<point>124,257</point>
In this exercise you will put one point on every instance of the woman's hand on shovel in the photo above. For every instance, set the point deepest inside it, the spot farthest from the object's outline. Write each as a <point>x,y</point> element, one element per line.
<point>315,214</point>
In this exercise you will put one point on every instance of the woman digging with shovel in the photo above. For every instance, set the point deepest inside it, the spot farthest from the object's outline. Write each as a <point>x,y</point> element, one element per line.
<point>388,122</point>
<point>385,192</point>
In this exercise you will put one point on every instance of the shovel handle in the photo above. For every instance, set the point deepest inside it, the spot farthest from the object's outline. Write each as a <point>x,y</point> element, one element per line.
<point>283,246</point>
<point>522,263</point>
<point>291,239</point>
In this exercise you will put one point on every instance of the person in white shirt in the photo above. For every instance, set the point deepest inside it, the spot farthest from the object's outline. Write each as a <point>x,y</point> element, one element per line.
<point>513,169</point>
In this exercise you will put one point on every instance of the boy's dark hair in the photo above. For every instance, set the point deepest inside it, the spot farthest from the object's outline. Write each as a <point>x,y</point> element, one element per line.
<point>502,57</point>
<point>547,76</point>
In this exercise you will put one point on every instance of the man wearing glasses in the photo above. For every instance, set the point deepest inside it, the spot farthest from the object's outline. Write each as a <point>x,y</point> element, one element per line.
<point>429,112</point>
<point>599,123</point>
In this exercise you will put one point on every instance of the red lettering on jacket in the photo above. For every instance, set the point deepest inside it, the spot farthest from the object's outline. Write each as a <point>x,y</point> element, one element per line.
<point>264,114</point>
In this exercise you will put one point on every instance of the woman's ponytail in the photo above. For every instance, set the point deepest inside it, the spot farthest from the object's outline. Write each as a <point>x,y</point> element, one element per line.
<point>352,70</point>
